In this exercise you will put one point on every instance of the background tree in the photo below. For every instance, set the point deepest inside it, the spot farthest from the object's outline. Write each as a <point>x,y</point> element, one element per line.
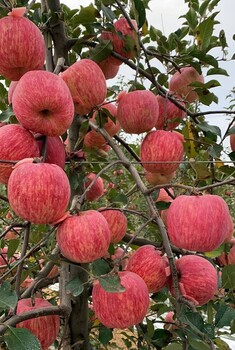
<point>131,191</point>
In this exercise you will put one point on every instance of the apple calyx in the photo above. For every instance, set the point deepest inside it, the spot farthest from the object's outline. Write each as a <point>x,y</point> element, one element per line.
<point>17,12</point>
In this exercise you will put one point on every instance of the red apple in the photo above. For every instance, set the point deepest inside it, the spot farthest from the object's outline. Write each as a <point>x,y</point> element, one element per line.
<point>169,114</point>
<point>117,222</point>
<point>198,223</point>
<point>11,90</point>
<point>232,141</point>
<point>137,111</point>
<point>55,150</point>
<point>158,179</point>
<point>39,192</point>
<point>149,264</point>
<point>124,39</point>
<point>161,151</point>
<point>181,80</point>
<point>42,103</point>
<point>121,309</point>
<point>84,237</point>
<point>229,236</point>
<point>22,46</point>
<point>45,328</point>
<point>94,139</point>
<point>108,68</point>
<point>87,85</point>
<point>16,143</point>
<point>96,190</point>
<point>198,280</point>
<point>228,258</point>
<point>163,196</point>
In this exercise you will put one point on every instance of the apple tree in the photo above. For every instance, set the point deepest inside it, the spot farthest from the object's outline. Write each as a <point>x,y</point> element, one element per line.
<point>116,195</point>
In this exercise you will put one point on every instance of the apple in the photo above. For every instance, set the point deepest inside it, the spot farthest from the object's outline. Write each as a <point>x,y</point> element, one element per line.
<point>96,190</point>
<point>232,141</point>
<point>158,178</point>
<point>198,223</point>
<point>161,151</point>
<point>229,236</point>
<point>108,68</point>
<point>45,328</point>
<point>55,150</point>
<point>163,196</point>
<point>16,143</point>
<point>22,46</point>
<point>120,256</point>
<point>117,222</point>
<point>148,262</point>
<point>228,258</point>
<point>42,103</point>
<point>169,114</point>
<point>121,309</point>
<point>87,85</point>
<point>11,90</point>
<point>84,237</point>
<point>94,139</point>
<point>198,280</point>
<point>181,80</point>
<point>124,39</point>
<point>39,192</point>
<point>137,111</point>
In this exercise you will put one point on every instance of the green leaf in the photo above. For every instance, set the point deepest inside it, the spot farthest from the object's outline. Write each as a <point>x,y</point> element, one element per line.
<point>215,150</point>
<point>222,345</point>
<point>141,14</point>
<point>224,316</point>
<point>4,116</point>
<point>111,283</point>
<point>150,328</point>
<point>193,319</point>
<point>162,205</point>
<point>100,267</point>
<point>198,344</point>
<point>117,197</point>
<point>12,247</point>
<point>204,33</point>
<point>216,71</point>
<point>217,252</point>
<point>75,287</point>
<point>105,334</point>
<point>86,15</point>
<point>211,128</point>
<point>21,339</point>
<point>108,12</point>
<point>161,337</point>
<point>231,131</point>
<point>101,51</point>
<point>8,297</point>
<point>174,346</point>
<point>228,277</point>
<point>203,7</point>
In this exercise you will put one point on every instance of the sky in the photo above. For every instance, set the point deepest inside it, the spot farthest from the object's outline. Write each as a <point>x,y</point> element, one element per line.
<point>164,15</point>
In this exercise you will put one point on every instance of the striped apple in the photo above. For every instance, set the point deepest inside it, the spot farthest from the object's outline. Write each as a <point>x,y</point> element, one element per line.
<point>121,309</point>
<point>22,46</point>
<point>45,328</point>
<point>198,223</point>
<point>162,151</point>
<point>84,237</point>
<point>16,143</point>
<point>117,222</point>
<point>39,192</point>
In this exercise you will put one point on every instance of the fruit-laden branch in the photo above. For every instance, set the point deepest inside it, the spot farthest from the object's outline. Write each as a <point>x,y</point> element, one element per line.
<point>51,310</point>
<point>192,188</point>
<point>150,203</point>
